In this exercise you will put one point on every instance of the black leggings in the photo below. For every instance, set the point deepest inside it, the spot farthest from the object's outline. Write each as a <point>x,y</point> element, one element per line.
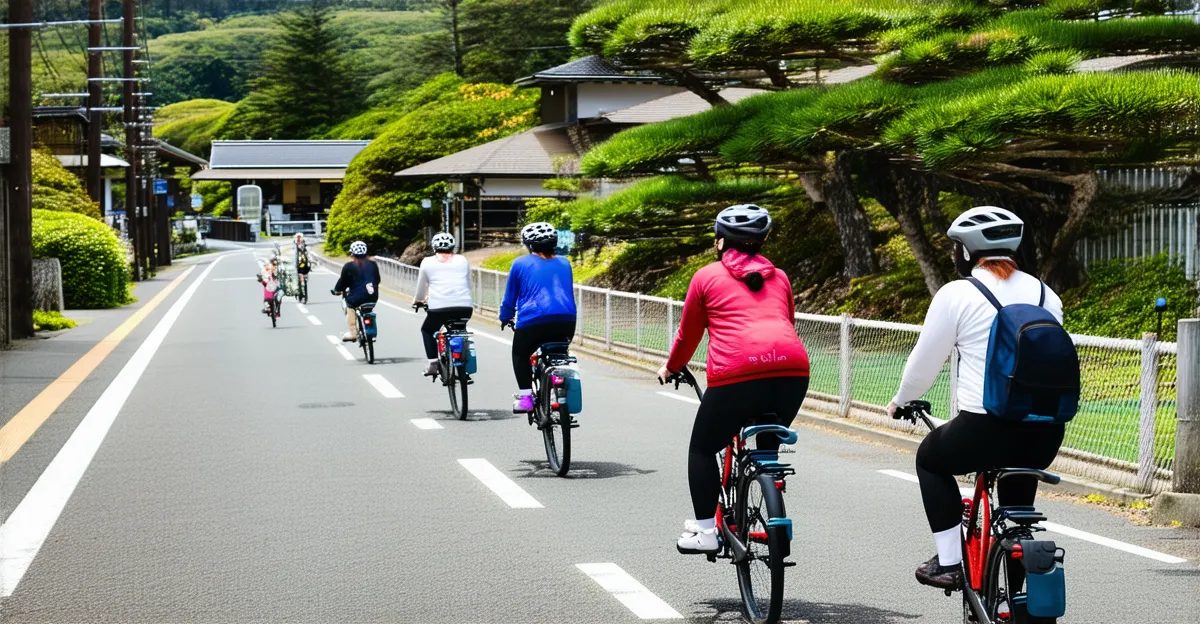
<point>722,414</point>
<point>434,320</point>
<point>526,340</point>
<point>972,442</point>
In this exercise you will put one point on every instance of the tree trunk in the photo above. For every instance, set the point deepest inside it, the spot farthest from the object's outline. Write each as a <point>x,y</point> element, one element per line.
<point>452,6</point>
<point>778,76</point>
<point>933,210</point>
<point>903,193</point>
<point>695,84</point>
<point>834,189</point>
<point>1059,268</point>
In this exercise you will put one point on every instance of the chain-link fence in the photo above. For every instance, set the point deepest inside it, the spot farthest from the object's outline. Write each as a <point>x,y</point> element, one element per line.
<point>1123,434</point>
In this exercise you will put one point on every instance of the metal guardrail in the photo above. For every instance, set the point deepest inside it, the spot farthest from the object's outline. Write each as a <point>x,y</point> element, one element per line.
<point>1124,433</point>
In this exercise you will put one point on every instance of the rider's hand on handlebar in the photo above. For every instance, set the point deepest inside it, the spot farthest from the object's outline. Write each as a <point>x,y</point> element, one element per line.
<point>504,324</point>
<point>664,375</point>
<point>891,411</point>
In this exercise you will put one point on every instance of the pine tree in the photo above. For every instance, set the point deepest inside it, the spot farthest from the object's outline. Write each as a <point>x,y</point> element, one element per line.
<point>309,82</point>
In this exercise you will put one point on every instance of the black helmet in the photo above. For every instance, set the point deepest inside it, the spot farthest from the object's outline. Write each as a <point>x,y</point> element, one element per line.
<point>743,222</point>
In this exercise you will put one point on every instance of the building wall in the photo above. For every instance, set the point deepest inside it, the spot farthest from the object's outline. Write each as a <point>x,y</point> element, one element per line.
<point>596,98</point>
<point>516,187</point>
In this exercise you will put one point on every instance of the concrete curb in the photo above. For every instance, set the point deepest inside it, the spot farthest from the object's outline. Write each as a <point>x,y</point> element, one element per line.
<point>1172,507</point>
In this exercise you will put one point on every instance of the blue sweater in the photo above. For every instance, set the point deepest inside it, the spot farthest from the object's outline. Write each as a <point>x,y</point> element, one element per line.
<point>539,291</point>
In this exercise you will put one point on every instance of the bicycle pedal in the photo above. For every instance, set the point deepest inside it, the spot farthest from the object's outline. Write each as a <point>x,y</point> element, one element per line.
<point>788,564</point>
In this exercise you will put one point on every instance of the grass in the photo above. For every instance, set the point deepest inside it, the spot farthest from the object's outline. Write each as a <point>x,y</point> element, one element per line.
<point>49,320</point>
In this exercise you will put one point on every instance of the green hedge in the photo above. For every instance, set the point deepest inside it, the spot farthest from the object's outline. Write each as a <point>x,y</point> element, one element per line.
<point>55,188</point>
<point>1118,298</point>
<point>94,269</point>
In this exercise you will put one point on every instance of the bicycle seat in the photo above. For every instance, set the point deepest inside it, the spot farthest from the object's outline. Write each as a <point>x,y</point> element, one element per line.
<point>456,326</point>
<point>1020,515</point>
<point>786,436</point>
<point>1041,475</point>
<point>556,348</point>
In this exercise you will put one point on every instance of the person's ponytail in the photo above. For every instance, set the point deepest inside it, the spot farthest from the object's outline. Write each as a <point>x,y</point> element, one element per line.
<point>754,281</point>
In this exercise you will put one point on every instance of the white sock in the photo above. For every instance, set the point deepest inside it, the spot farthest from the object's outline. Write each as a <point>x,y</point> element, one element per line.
<point>432,360</point>
<point>949,546</point>
<point>707,524</point>
<point>524,392</point>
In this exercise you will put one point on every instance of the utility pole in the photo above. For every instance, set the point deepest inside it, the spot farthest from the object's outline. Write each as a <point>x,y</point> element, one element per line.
<point>20,205</point>
<point>95,89</point>
<point>132,192</point>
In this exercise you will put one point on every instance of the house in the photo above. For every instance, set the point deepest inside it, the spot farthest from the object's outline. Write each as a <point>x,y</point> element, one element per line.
<point>299,179</point>
<point>490,183</point>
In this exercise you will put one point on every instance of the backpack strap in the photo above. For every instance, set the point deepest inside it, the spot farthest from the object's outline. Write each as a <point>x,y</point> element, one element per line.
<point>986,293</point>
<point>1042,299</point>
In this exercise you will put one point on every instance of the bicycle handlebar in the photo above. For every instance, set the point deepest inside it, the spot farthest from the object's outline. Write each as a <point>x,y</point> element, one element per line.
<point>504,324</point>
<point>417,305</point>
<point>913,410</point>
<point>684,376</point>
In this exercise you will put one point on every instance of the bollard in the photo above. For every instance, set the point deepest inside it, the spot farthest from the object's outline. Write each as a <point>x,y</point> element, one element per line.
<point>637,330</point>
<point>1149,408</point>
<point>846,373</point>
<point>1187,406</point>
<point>608,319</point>
<point>670,325</point>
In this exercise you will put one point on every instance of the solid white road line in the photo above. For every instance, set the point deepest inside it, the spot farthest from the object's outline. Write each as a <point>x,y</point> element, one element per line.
<point>396,307</point>
<point>679,397</point>
<point>27,528</point>
<point>426,423</point>
<point>1054,527</point>
<point>346,355</point>
<point>629,591</point>
<point>1111,543</point>
<point>314,320</point>
<point>383,386</point>
<point>302,308</point>
<point>491,336</point>
<point>496,481</point>
<point>231,279</point>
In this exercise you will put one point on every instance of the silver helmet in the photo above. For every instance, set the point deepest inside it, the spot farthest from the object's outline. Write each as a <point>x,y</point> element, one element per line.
<point>743,222</point>
<point>443,241</point>
<point>987,228</point>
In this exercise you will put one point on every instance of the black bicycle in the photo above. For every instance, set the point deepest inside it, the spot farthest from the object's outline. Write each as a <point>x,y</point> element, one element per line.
<point>755,532</point>
<point>1008,576</point>
<point>364,314</point>
<point>272,306</point>
<point>557,395</point>
<point>456,361</point>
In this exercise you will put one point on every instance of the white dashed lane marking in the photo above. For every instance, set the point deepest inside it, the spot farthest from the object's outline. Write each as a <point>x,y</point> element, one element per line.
<point>314,320</point>
<point>426,423</point>
<point>679,397</point>
<point>629,591</point>
<point>497,482</point>
<point>384,386</point>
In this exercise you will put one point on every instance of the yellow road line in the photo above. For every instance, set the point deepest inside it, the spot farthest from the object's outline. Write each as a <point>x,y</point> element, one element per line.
<point>17,431</point>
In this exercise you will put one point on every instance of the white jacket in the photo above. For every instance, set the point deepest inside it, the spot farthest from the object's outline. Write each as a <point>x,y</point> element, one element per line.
<point>960,317</point>
<point>447,284</point>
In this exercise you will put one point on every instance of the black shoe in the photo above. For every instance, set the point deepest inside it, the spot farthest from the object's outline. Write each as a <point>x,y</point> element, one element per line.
<point>937,575</point>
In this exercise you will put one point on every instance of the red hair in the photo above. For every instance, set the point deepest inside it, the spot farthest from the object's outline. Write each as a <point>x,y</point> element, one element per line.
<point>1001,267</point>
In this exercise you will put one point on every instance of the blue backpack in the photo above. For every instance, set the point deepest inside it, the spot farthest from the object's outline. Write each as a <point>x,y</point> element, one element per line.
<point>1032,370</point>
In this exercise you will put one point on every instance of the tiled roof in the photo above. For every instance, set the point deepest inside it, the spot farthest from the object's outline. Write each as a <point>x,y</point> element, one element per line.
<point>676,105</point>
<point>284,154</point>
<point>586,69</point>
<point>531,154</point>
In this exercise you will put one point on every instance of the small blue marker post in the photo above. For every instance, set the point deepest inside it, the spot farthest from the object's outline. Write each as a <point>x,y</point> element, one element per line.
<point>1160,306</point>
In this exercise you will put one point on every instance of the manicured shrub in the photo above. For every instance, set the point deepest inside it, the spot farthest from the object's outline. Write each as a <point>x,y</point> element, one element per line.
<point>55,188</point>
<point>49,320</point>
<point>94,268</point>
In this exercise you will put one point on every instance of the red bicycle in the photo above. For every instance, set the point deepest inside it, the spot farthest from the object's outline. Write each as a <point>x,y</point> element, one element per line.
<point>1008,577</point>
<point>755,532</point>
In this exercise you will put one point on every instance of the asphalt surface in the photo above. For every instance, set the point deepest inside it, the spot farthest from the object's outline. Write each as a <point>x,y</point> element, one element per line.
<point>254,475</point>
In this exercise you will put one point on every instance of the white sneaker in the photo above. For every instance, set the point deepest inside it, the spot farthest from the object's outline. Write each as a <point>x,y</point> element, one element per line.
<point>696,540</point>
<point>431,369</point>
<point>346,337</point>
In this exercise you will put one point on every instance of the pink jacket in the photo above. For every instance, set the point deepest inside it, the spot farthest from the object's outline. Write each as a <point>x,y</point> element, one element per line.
<point>751,335</point>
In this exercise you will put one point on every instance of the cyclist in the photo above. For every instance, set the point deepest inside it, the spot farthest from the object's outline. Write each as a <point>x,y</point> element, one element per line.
<point>444,284</point>
<point>303,263</point>
<point>960,320</point>
<point>756,363</point>
<point>269,278</point>
<point>541,297</point>
<point>359,283</point>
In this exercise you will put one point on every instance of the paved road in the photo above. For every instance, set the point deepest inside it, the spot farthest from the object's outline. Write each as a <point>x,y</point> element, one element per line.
<point>254,474</point>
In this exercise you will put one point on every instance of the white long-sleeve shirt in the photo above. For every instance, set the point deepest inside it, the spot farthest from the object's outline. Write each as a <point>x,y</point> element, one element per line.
<point>447,284</point>
<point>961,317</point>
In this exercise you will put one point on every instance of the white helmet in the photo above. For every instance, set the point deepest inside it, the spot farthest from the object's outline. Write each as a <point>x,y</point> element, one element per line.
<point>539,232</point>
<point>358,249</point>
<point>443,241</point>
<point>987,228</point>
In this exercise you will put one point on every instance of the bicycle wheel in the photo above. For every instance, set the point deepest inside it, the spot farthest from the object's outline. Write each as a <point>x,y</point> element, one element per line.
<point>556,432</point>
<point>998,587</point>
<point>456,385</point>
<point>274,314</point>
<point>760,576</point>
